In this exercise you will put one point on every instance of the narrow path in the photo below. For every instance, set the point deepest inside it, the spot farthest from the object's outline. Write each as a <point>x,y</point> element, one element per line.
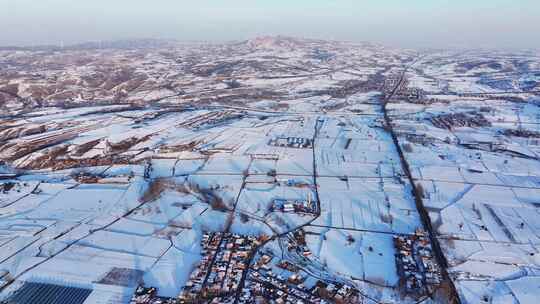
<point>459,196</point>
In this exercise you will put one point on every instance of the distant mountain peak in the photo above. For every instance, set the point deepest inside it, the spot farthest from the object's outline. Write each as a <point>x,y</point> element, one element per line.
<point>275,42</point>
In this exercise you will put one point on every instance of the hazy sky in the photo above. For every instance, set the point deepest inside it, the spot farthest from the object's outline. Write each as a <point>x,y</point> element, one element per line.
<point>409,23</point>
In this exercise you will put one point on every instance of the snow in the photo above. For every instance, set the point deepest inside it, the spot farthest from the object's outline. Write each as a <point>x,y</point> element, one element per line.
<point>481,188</point>
<point>525,289</point>
<point>356,260</point>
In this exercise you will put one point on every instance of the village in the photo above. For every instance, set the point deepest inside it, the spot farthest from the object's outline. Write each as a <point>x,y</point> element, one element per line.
<point>418,271</point>
<point>230,271</point>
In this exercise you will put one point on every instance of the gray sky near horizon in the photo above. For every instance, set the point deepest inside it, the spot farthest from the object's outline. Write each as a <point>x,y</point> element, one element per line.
<point>407,23</point>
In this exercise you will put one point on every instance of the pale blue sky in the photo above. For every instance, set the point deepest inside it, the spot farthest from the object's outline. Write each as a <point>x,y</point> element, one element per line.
<point>409,23</point>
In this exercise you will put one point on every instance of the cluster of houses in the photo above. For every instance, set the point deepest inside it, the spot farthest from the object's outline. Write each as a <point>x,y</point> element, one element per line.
<point>418,271</point>
<point>285,284</point>
<point>148,295</point>
<point>456,120</point>
<point>302,206</point>
<point>413,95</point>
<point>210,119</point>
<point>391,81</point>
<point>289,182</point>
<point>292,142</point>
<point>521,133</point>
<point>218,276</point>
<point>298,243</point>
<point>224,275</point>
